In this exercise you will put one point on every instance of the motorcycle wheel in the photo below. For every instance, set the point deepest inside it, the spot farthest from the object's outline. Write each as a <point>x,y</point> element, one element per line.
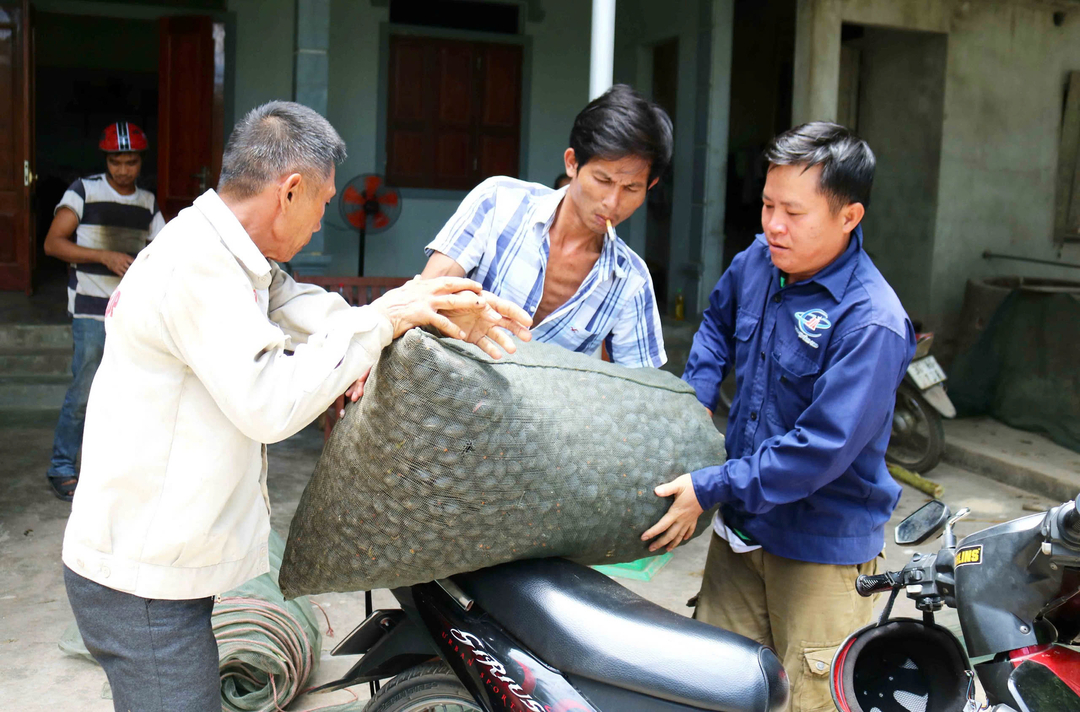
<point>918,436</point>
<point>429,687</point>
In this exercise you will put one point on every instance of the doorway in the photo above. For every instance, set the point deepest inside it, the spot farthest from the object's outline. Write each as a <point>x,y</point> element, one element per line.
<point>66,76</point>
<point>762,63</point>
<point>90,72</point>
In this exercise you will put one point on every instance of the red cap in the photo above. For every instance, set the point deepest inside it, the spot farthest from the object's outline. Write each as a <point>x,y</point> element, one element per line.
<point>122,137</point>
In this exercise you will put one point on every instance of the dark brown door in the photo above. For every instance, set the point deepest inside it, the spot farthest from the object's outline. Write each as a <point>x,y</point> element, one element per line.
<point>191,76</point>
<point>16,146</point>
<point>499,122</point>
<point>454,112</point>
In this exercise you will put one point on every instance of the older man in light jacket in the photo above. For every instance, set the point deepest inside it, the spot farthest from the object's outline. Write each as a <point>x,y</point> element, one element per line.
<point>211,352</point>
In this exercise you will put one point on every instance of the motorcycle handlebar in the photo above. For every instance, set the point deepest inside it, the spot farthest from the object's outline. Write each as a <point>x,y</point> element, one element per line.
<point>869,585</point>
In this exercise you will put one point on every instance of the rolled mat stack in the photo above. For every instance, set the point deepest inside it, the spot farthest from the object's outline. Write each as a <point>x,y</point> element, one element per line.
<point>453,461</point>
<point>267,647</point>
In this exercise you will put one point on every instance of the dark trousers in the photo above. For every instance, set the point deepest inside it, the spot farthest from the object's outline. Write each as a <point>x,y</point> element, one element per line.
<point>160,656</point>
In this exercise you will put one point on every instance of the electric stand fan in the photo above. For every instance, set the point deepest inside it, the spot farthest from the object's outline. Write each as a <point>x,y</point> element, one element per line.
<point>369,205</point>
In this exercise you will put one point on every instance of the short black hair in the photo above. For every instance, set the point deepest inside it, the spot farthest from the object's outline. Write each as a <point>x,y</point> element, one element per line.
<point>847,163</point>
<point>620,123</point>
<point>559,179</point>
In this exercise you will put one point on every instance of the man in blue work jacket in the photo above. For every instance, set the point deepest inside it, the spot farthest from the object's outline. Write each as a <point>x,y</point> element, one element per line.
<point>819,342</point>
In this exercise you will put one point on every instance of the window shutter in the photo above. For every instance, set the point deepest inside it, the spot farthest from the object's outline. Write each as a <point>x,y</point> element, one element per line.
<point>453,113</point>
<point>409,139</point>
<point>500,115</point>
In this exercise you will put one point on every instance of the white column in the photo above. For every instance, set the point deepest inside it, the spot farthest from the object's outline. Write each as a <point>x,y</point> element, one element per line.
<point>602,57</point>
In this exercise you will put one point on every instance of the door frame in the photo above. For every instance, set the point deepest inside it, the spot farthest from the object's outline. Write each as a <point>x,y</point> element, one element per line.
<point>18,274</point>
<point>154,13</point>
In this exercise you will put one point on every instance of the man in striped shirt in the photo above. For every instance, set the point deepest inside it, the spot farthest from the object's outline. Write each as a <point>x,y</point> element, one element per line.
<point>98,227</point>
<point>552,252</point>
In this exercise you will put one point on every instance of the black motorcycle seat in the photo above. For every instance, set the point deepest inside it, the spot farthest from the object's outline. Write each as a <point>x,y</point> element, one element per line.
<point>580,622</point>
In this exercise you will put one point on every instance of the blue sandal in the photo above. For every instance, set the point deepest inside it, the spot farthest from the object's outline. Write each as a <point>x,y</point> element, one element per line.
<point>64,487</point>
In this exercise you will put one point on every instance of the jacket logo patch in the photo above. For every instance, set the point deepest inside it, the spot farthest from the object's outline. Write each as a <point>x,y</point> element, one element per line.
<point>969,555</point>
<point>810,323</point>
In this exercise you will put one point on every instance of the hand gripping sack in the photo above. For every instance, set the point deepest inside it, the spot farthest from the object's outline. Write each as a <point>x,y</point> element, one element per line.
<point>453,461</point>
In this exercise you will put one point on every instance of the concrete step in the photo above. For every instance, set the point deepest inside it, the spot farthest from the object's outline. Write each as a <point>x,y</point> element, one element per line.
<point>36,392</point>
<point>47,336</point>
<point>1029,461</point>
<point>29,418</point>
<point>27,361</point>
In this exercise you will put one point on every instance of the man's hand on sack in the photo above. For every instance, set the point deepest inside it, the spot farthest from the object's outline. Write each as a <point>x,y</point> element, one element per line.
<point>455,306</point>
<point>679,523</point>
<point>460,309</point>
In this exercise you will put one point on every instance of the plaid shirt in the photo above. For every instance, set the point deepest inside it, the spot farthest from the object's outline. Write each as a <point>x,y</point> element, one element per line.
<point>500,237</point>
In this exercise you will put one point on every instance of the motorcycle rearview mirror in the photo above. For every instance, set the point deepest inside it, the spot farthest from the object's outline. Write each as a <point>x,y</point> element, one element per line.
<point>925,522</point>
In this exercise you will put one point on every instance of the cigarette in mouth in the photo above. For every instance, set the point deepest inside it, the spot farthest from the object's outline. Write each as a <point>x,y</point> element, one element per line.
<point>610,230</point>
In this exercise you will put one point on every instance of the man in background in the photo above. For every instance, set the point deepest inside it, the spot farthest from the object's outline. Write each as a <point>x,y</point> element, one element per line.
<point>98,227</point>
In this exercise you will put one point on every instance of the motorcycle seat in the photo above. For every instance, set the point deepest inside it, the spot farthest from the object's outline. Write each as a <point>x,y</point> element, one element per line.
<point>582,623</point>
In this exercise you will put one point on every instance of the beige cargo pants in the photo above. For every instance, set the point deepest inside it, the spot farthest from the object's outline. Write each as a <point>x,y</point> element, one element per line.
<point>803,611</point>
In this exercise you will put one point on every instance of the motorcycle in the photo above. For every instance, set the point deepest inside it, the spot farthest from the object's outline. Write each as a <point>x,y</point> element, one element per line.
<point>1015,588</point>
<point>918,435</point>
<point>550,635</point>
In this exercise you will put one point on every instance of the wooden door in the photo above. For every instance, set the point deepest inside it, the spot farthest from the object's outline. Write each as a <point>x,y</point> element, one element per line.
<point>16,146</point>
<point>499,122</point>
<point>454,112</point>
<point>191,75</point>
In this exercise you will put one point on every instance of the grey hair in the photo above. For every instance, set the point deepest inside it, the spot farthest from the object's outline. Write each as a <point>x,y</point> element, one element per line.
<point>277,139</point>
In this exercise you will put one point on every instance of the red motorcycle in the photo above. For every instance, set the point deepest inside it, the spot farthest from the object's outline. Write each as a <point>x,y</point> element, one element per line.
<point>1014,587</point>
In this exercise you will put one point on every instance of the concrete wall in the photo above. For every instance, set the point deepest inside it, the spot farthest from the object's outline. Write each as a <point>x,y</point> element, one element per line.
<point>901,98</point>
<point>639,24</point>
<point>1003,102</point>
<point>1005,71</point>
<point>265,32</point>
<point>557,86</point>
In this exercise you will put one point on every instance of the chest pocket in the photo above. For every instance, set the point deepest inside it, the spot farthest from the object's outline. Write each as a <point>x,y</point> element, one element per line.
<point>794,376</point>
<point>584,337</point>
<point>746,324</point>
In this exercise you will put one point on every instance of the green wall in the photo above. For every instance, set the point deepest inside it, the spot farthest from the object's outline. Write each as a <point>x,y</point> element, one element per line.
<point>557,86</point>
<point>264,52</point>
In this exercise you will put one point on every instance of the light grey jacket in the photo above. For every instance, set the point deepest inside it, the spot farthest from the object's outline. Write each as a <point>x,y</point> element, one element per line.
<point>172,500</point>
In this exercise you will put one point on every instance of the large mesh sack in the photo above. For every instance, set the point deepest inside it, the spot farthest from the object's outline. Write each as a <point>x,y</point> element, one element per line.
<point>453,461</point>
